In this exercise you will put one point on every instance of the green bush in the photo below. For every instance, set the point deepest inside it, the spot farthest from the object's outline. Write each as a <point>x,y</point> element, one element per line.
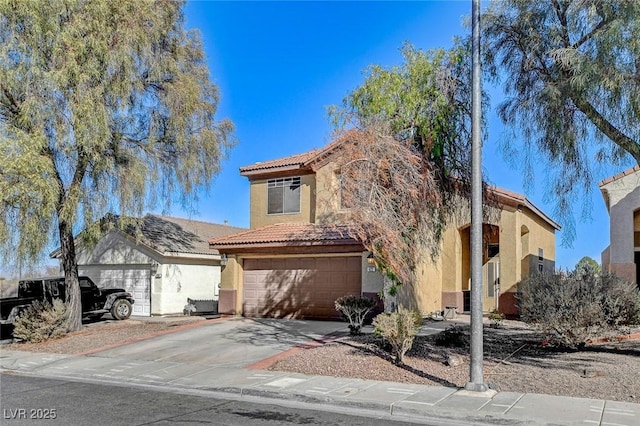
<point>41,321</point>
<point>569,309</point>
<point>355,310</point>
<point>452,336</point>
<point>399,329</point>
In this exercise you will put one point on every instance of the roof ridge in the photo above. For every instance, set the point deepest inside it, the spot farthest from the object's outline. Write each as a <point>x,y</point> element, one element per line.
<point>193,220</point>
<point>619,175</point>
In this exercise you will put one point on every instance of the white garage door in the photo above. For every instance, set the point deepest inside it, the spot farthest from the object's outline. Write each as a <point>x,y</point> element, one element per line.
<point>134,279</point>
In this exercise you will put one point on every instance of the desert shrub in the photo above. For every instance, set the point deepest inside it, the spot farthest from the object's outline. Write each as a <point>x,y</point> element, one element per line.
<point>41,321</point>
<point>452,336</point>
<point>355,310</point>
<point>399,329</point>
<point>496,318</point>
<point>569,309</point>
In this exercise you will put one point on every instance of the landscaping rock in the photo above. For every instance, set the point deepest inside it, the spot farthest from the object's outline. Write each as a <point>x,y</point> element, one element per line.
<point>454,360</point>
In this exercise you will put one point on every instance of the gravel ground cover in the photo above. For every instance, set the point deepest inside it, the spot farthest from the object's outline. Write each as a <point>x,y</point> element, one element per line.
<point>514,359</point>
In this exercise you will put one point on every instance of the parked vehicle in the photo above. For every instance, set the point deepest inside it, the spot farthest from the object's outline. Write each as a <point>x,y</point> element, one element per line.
<point>95,301</point>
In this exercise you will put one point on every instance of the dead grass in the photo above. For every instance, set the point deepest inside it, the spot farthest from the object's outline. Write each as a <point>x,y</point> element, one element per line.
<point>104,333</point>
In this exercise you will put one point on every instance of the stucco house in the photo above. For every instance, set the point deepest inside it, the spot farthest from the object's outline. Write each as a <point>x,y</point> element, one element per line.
<point>162,263</point>
<point>621,195</point>
<point>291,264</point>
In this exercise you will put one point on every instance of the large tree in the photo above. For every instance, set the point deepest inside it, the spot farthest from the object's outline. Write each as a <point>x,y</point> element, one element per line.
<point>405,165</point>
<point>104,106</point>
<point>572,78</point>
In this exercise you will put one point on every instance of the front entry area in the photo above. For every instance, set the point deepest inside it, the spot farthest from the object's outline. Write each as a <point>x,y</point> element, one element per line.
<point>304,287</point>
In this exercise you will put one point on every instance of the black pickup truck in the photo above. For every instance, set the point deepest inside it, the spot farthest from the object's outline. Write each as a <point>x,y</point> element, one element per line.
<point>95,301</point>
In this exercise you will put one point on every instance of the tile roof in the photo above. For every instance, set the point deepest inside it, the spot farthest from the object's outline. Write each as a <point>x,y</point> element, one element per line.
<point>288,234</point>
<point>297,160</point>
<point>619,176</point>
<point>506,196</point>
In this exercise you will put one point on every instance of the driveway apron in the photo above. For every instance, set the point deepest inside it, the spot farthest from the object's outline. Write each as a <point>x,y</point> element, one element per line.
<point>234,343</point>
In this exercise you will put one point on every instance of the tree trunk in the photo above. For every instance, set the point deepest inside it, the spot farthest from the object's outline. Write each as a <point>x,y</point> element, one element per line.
<point>390,302</point>
<point>72,286</point>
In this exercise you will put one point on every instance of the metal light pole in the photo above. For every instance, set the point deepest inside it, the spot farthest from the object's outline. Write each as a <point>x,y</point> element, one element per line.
<point>476,382</point>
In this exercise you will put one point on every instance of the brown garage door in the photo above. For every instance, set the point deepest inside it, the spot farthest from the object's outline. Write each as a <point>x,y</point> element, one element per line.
<point>299,287</point>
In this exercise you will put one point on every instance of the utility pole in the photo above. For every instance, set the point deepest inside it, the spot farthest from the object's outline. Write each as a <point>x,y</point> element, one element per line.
<point>476,382</point>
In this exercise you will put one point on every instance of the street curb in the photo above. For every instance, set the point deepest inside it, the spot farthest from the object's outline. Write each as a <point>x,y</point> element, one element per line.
<point>153,335</point>
<point>619,338</point>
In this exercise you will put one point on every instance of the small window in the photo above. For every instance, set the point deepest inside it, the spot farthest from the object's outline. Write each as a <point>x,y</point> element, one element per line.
<point>345,202</point>
<point>540,255</point>
<point>540,267</point>
<point>493,250</point>
<point>283,195</point>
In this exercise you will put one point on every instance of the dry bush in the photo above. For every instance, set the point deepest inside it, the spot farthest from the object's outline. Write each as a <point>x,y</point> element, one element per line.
<point>41,321</point>
<point>399,329</point>
<point>355,310</point>
<point>569,309</point>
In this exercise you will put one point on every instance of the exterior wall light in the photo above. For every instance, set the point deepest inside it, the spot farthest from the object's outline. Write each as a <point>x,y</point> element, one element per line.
<point>223,259</point>
<point>154,267</point>
<point>371,263</point>
<point>371,260</point>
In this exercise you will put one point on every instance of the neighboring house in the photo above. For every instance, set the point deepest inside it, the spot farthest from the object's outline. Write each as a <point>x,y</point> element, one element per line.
<point>621,195</point>
<point>164,262</point>
<point>292,264</point>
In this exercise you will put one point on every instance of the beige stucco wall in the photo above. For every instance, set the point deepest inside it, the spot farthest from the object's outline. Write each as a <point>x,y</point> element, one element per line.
<point>174,283</point>
<point>451,271</point>
<point>328,195</point>
<point>623,201</point>
<point>258,194</point>
<point>425,296</point>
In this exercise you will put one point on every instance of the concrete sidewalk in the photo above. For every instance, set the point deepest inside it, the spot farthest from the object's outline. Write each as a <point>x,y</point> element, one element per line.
<point>439,404</point>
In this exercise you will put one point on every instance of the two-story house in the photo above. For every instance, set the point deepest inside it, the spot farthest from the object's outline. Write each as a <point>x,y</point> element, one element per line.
<point>291,264</point>
<point>621,195</point>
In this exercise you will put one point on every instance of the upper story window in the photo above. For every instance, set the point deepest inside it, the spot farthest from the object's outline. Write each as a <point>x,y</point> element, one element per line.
<point>283,195</point>
<point>344,201</point>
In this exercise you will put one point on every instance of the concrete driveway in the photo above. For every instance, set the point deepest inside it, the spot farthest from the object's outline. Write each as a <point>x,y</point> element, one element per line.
<point>234,343</point>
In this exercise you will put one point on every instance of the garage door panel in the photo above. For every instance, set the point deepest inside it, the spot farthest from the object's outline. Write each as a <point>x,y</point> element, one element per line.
<point>136,281</point>
<point>299,288</point>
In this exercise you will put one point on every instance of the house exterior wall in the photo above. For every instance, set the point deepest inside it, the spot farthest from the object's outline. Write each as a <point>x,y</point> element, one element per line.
<point>623,201</point>
<point>258,202</point>
<point>115,249</point>
<point>175,282</point>
<point>442,283</point>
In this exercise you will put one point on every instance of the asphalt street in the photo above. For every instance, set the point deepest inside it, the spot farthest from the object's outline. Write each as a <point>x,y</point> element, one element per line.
<point>28,400</point>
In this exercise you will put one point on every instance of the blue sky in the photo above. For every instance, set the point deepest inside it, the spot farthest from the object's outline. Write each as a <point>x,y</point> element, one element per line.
<point>280,64</point>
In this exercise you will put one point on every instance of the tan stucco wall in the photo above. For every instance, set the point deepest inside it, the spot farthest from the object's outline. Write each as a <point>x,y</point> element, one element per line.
<point>425,296</point>
<point>258,194</point>
<point>450,273</point>
<point>372,281</point>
